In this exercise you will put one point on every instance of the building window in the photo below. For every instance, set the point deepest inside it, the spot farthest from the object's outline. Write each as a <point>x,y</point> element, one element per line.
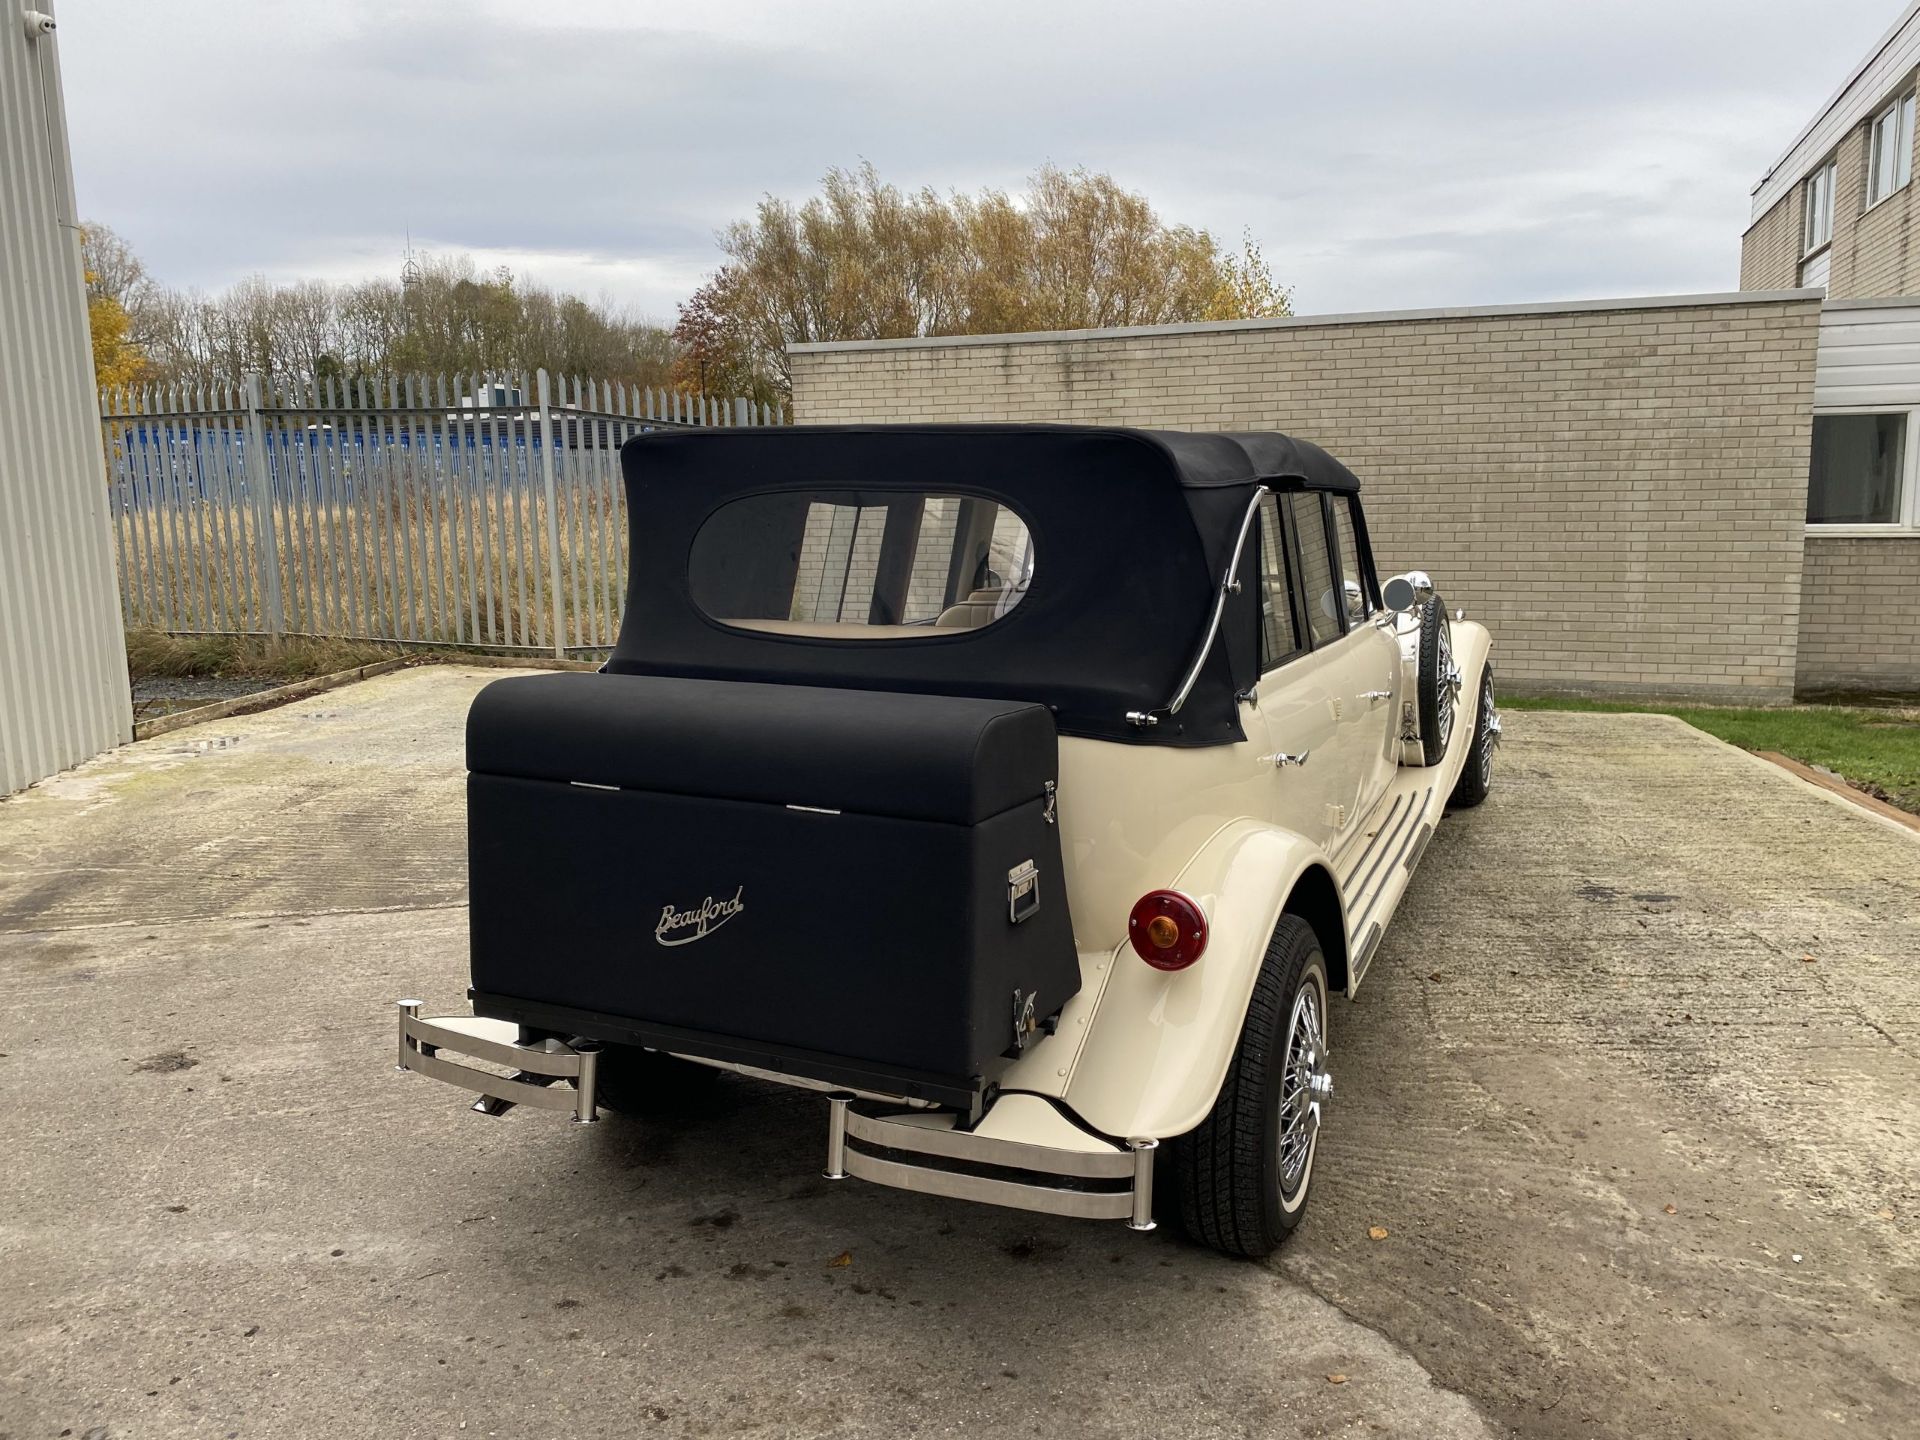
<point>1891,161</point>
<point>1857,468</point>
<point>1818,230</point>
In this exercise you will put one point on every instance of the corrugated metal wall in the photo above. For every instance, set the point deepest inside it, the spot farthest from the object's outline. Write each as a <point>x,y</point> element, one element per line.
<point>63,679</point>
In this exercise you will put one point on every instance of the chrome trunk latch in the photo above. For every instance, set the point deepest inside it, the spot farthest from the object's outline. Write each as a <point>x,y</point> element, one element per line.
<point>1023,891</point>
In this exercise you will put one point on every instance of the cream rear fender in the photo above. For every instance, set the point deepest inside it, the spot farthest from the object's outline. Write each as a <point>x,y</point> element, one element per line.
<point>1157,1044</point>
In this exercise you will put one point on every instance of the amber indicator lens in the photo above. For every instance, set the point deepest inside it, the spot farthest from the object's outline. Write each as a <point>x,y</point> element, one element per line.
<point>1167,930</point>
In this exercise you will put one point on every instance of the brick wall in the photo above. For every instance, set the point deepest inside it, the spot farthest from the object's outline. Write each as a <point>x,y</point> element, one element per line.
<point>1618,490</point>
<point>1770,251</point>
<point>1859,623</point>
<point>1872,250</point>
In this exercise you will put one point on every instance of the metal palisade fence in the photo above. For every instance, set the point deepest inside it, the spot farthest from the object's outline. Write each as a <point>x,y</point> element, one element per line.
<point>482,511</point>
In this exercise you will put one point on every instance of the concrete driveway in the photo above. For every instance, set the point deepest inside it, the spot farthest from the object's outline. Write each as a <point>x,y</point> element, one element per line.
<point>1632,1087</point>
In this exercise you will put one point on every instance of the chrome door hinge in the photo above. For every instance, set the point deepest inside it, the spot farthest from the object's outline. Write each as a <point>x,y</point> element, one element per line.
<point>1282,759</point>
<point>1051,813</point>
<point>1374,697</point>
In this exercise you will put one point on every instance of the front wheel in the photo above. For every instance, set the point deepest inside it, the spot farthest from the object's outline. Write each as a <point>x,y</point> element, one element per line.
<point>1476,777</point>
<point>1243,1174</point>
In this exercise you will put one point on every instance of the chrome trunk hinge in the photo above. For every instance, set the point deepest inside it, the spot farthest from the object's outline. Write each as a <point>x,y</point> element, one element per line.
<point>1051,813</point>
<point>1024,1025</point>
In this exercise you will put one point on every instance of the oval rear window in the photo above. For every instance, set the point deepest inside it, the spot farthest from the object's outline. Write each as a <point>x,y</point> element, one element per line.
<point>860,564</point>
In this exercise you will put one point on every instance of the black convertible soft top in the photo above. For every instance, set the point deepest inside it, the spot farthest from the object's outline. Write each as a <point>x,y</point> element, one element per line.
<point>1132,532</point>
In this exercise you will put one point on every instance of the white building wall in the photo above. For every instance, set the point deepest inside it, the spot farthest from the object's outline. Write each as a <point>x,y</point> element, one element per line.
<point>1869,354</point>
<point>63,678</point>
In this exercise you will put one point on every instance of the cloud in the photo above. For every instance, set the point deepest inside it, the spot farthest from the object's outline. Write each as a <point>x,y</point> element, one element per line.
<point>1384,154</point>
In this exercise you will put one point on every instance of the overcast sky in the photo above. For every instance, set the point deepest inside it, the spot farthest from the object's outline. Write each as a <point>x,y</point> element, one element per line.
<point>1386,155</point>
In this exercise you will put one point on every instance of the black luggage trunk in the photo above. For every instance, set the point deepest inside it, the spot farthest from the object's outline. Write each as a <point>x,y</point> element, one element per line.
<point>828,883</point>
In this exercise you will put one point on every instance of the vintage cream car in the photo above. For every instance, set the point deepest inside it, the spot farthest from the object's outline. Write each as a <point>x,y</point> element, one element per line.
<point>1026,790</point>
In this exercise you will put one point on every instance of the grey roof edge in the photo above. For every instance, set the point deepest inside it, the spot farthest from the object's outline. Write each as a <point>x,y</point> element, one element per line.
<point>1853,78</point>
<point>1297,322</point>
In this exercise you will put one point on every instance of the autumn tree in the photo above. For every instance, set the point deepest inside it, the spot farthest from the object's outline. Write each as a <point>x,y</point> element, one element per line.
<point>714,346</point>
<point>114,277</point>
<point>864,260</point>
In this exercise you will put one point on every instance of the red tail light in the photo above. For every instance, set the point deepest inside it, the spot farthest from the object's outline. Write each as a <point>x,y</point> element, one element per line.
<point>1168,930</point>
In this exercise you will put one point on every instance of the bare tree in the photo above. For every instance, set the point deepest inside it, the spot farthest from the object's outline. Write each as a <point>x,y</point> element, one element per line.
<point>447,319</point>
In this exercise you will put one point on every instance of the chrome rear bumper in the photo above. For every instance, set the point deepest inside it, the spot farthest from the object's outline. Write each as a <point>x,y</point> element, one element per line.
<point>1104,1184</point>
<point>917,1150</point>
<point>536,1067</point>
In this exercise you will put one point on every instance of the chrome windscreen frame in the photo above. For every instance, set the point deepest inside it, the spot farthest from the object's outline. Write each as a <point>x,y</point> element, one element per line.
<point>1229,587</point>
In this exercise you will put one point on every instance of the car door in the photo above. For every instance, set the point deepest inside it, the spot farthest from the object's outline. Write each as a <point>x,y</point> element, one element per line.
<point>1295,695</point>
<point>1348,667</point>
<point>1376,708</point>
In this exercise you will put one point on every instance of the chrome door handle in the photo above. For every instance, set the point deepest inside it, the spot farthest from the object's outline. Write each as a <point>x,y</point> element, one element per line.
<point>1281,760</point>
<point>1376,696</point>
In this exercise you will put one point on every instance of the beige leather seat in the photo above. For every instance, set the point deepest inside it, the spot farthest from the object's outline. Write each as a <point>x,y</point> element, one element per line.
<point>971,613</point>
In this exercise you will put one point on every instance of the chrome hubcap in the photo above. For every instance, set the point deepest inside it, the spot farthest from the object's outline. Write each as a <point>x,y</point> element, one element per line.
<point>1307,1086</point>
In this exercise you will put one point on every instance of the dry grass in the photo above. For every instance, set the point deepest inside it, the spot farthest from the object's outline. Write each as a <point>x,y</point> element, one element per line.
<point>153,653</point>
<point>424,565</point>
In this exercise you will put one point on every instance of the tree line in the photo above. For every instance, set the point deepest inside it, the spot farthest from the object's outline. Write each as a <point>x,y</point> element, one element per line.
<point>862,260</point>
<point>444,317</point>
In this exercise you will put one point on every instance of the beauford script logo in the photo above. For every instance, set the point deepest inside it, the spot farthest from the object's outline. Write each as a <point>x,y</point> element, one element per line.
<point>697,923</point>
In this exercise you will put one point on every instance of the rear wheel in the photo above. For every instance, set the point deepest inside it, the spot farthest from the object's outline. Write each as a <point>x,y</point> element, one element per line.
<point>634,1081</point>
<point>1241,1178</point>
<point>1476,776</point>
<point>1439,687</point>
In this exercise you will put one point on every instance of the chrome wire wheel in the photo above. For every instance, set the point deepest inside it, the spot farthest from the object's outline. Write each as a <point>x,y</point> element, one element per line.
<point>1476,776</point>
<point>1244,1174</point>
<point>1449,691</point>
<point>1306,1086</point>
<point>1489,733</point>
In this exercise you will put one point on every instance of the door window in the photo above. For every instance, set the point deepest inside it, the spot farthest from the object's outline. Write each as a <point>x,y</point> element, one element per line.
<point>1279,629</point>
<point>1356,582</point>
<point>1319,584</point>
